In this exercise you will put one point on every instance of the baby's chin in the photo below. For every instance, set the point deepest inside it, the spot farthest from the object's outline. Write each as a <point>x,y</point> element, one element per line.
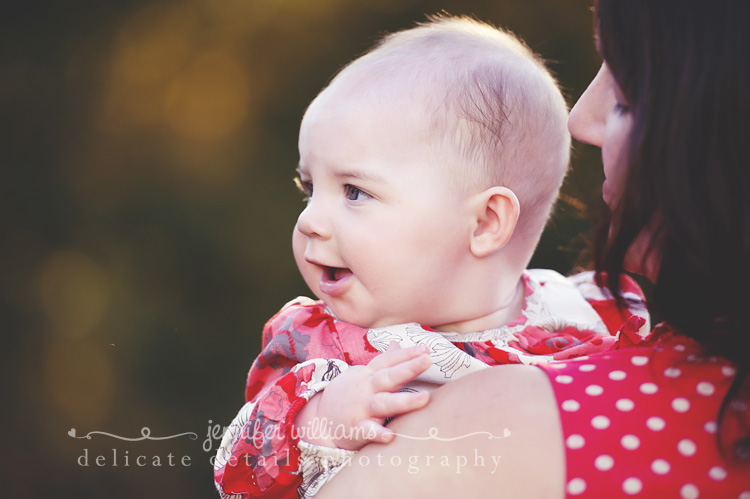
<point>346,314</point>
<point>371,319</point>
<point>357,319</point>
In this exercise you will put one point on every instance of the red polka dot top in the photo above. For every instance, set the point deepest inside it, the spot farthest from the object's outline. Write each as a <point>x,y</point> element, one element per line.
<point>641,421</point>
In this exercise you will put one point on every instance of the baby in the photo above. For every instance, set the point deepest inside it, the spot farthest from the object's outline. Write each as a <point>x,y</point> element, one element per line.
<point>430,166</point>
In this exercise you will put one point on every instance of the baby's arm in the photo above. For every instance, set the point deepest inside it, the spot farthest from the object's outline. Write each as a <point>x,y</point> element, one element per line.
<point>258,455</point>
<point>301,356</point>
<point>351,411</point>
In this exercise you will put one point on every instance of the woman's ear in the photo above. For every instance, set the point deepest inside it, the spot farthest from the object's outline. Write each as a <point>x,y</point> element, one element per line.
<point>496,211</point>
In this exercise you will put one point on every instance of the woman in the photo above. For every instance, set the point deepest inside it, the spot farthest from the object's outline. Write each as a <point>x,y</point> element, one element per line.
<point>664,417</point>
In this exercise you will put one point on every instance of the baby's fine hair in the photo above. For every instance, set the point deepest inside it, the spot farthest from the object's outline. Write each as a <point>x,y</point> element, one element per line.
<point>496,115</point>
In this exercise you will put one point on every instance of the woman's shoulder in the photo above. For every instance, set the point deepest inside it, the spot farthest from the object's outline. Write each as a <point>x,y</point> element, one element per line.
<point>665,372</point>
<point>665,354</point>
<point>644,417</point>
<point>494,432</point>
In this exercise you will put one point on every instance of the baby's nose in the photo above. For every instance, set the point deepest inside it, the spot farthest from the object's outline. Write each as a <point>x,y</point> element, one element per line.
<point>312,222</point>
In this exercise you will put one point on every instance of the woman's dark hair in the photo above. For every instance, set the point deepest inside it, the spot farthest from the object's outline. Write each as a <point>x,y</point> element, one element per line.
<point>684,69</point>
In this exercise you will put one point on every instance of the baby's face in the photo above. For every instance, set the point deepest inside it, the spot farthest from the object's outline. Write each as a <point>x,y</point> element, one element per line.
<point>383,234</point>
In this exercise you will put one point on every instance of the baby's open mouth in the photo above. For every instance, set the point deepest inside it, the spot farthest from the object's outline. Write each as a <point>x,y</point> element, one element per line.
<point>335,281</point>
<point>336,273</point>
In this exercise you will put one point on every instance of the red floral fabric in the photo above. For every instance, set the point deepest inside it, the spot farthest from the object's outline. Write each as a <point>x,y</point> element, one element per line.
<point>304,347</point>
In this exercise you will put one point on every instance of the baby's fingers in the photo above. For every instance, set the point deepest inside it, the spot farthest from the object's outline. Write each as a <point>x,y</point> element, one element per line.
<point>390,379</point>
<point>396,355</point>
<point>376,432</point>
<point>385,404</point>
<point>368,430</point>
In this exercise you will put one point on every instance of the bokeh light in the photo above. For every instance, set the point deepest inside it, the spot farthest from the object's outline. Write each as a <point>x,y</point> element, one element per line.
<point>74,292</point>
<point>79,382</point>
<point>209,98</point>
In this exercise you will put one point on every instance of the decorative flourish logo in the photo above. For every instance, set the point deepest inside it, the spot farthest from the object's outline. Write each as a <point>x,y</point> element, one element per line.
<point>145,435</point>
<point>432,434</point>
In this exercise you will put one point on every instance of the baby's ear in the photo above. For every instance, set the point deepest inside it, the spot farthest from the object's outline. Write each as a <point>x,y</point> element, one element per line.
<point>496,214</point>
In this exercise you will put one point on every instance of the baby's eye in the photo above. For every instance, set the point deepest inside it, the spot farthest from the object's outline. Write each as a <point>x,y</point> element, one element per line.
<point>354,193</point>
<point>304,187</point>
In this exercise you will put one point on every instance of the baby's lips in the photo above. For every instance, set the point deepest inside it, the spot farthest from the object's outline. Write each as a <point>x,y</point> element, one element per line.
<point>336,284</point>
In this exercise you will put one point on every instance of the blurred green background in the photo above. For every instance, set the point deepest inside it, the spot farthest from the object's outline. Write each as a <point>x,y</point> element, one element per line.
<point>147,206</point>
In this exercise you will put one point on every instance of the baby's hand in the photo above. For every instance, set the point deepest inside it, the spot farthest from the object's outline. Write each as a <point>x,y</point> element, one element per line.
<point>353,407</point>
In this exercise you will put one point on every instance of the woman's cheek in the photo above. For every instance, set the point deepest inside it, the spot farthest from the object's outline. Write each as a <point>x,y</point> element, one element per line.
<point>640,260</point>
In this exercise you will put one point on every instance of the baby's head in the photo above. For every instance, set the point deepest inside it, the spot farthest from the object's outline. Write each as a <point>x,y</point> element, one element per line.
<point>431,164</point>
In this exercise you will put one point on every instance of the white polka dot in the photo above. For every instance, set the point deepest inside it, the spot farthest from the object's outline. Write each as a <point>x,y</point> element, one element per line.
<point>575,441</point>
<point>692,357</point>
<point>672,372</point>
<point>557,365</point>
<point>600,422</point>
<point>564,379</point>
<point>680,404</point>
<point>630,442</point>
<point>711,427</point>
<point>728,371</point>
<point>679,348</point>
<point>632,486</point>
<point>686,447</point>
<point>689,491</point>
<point>625,405</point>
<point>570,405</point>
<point>648,388</point>
<point>604,462</point>
<point>594,390</point>
<point>717,473</point>
<point>617,375</point>
<point>705,388</point>
<point>587,368</point>
<point>639,360</point>
<point>745,495</point>
<point>660,467</point>
<point>576,486</point>
<point>655,423</point>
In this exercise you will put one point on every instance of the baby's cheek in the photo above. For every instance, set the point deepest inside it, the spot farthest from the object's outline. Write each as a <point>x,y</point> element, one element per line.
<point>298,247</point>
